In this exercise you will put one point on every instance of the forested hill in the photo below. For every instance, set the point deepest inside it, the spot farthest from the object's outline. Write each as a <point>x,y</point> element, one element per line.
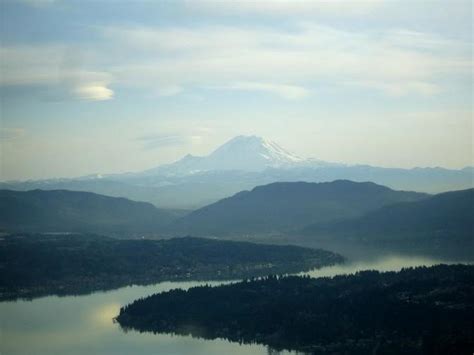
<point>448,216</point>
<point>37,265</point>
<point>415,311</point>
<point>286,206</point>
<point>73,211</point>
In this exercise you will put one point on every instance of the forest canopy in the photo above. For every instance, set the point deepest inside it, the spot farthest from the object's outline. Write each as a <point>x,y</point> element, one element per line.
<point>38,264</point>
<point>414,311</point>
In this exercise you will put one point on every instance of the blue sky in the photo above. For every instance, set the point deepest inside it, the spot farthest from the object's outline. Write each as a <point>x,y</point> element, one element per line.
<point>113,86</point>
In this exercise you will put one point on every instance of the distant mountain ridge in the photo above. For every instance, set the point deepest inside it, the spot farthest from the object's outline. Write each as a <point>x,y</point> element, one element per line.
<point>280,207</point>
<point>338,212</point>
<point>448,216</point>
<point>72,211</point>
<point>243,163</point>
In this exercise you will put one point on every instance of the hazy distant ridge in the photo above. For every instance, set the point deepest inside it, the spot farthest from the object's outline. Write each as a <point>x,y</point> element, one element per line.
<point>72,211</point>
<point>448,215</point>
<point>280,207</point>
<point>243,163</point>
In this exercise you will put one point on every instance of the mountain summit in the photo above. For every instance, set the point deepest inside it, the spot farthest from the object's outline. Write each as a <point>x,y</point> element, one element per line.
<point>243,153</point>
<point>243,163</point>
<point>252,153</point>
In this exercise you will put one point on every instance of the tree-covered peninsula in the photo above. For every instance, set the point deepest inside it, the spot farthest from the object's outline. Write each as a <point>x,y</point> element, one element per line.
<point>35,265</point>
<point>426,310</point>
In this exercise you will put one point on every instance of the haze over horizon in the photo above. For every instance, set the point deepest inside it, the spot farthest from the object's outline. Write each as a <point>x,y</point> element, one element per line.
<point>110,89</point>
<point>249,153</point>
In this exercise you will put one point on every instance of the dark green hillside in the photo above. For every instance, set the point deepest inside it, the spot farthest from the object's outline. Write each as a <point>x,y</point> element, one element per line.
<point>72,211</point>
<point>281,207</point>
<point>36,265</point>
<point>415,311</point>
<point>448,216</point>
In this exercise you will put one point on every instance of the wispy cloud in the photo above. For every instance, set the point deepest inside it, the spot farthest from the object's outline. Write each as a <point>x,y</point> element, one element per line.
<point>291,92</point>
<point>170,90</point>
<point>286,7</point>
<point>287,62</point>
<point>183,133</point>
<point>153,141</point>
<point>283,62</point>
<point>58,68</point>
<point>398,89</point>
<point>94,92</point>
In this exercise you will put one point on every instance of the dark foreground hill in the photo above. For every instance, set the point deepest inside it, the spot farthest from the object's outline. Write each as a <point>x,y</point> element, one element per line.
<point>415,311</point>
<point>72,211</point>
<point>37,265</point>
<point>281,207</point>
<point>446,217</point>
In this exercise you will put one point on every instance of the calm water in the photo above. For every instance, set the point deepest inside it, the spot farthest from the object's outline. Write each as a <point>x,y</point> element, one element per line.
<point>83,324</point>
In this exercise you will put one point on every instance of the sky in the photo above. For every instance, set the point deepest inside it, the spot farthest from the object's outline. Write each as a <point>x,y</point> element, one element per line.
<point>92,87</point>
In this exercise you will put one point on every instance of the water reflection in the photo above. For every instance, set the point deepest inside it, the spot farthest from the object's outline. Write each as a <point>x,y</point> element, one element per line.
<point>384,263</point>
<point>83,324</point>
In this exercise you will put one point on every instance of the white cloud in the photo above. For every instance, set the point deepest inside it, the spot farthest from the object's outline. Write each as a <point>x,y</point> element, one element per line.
<point>94,92</point>
<point>58,68</point>
<point>285,62</point>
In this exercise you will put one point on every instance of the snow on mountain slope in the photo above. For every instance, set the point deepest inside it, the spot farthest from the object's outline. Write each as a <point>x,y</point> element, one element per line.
<point>251,153</point>
<point>246,153</point>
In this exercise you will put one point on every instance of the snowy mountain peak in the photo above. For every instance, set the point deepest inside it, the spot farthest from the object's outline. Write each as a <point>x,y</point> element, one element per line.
<point>255,148</point>
<point>243,153</point>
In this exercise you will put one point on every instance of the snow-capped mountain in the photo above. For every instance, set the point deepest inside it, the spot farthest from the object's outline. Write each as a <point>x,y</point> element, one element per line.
<point>251,153</point>
<point>243,163</point>
<point>244,153</point>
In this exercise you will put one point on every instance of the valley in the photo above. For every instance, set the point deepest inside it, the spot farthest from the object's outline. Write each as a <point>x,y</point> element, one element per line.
<point>279,267</point>
<point>236,177</point>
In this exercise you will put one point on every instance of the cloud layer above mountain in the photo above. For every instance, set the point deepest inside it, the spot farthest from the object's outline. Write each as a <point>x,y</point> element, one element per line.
<point>287,62</point>
<point>379,82</point>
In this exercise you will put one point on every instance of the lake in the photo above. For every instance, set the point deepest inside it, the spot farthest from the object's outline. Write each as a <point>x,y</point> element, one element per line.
<point>84,324</point>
